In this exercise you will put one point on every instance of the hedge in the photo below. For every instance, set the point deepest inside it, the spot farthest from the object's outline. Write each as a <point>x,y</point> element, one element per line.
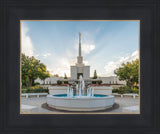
<point>35,89</point>
<point>125,89</point>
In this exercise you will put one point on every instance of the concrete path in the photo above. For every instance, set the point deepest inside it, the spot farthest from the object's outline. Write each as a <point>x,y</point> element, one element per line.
<point>126,105</point>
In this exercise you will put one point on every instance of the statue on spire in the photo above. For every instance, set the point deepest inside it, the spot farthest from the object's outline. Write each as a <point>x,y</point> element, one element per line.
<point>79,35</point>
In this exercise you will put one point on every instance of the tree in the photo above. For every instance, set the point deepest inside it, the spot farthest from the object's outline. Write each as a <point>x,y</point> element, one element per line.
<point>32,69</point>
<point>65,76</point>
<point>129,72</point>
<point>95,75</point>
<point>56,75</point>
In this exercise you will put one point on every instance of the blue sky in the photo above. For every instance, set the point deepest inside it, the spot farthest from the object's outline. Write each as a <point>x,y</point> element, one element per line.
<point>105,44</point>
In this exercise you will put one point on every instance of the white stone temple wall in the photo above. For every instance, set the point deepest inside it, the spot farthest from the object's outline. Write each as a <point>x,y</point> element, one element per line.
<point>73,72</point>
<point>80,69</point>
<point>86,72</point>
<point>111,80</point>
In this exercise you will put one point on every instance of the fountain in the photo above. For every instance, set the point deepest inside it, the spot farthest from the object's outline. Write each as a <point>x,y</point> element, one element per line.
<point>80,89</point>
<point>83,99</point>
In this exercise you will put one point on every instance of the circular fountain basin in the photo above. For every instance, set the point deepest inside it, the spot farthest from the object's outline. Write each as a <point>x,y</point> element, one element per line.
<point>83,103</point>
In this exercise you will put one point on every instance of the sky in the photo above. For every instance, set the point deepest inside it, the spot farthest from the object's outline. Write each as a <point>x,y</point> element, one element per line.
<point>105,44</point>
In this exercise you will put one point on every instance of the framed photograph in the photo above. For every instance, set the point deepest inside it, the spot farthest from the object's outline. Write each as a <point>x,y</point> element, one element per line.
<point>80,67</point>
<point>95,71</point>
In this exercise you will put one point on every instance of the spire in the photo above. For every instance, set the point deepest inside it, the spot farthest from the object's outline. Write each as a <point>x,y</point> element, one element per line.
<point>80,58</point>
<point>79,44</point>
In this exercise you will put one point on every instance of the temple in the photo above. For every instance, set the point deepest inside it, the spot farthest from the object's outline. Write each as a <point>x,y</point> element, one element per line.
<point>80,68</point>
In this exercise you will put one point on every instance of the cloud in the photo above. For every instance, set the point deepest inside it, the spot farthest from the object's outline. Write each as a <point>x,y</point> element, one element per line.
<point>60,66</point>
<point>46,55</point>
<point>112,65</point>
<point>87,48</point>
<point>27,45</point>
<point>87,43</point>
<point>85,62</point>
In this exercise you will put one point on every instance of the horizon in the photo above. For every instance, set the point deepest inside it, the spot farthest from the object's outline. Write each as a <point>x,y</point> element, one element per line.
<point>105,45</point>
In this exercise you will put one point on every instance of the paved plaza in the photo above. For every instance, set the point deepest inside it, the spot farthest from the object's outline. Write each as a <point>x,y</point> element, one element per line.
<point>33,105</point>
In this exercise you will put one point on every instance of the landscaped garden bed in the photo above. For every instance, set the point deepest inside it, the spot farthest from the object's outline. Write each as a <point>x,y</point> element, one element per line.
<point>126,89</point>
<point>34,89</point>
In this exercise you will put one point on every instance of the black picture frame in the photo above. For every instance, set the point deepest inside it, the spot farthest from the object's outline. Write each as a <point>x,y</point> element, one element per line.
<point>147,11</point>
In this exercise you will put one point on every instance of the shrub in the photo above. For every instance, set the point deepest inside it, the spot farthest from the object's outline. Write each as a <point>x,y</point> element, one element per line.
<point>59,82</point>
<point>65,82</point>
<point>99,82</point>
<point>115,90</point>
<point>60,85</point>
<point>24,90</point>
<point>126,89</point>
<point>99,85</point>
<point>121,91</point>
<point>136,90</point>
<point>36,83</point>
<point>34,89</point>
<point>93,82</point>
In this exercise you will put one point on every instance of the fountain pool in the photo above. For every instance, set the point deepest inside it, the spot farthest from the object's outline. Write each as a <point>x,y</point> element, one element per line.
<point>83,99</point>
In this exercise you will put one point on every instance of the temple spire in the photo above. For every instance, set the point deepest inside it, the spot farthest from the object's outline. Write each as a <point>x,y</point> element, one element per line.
<point>79,44</point>
<point>80,58</point>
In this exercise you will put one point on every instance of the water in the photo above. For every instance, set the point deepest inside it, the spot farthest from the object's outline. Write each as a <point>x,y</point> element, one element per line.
<point>80,89</point>
<point>76,96</point>
<point>70,92</point>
